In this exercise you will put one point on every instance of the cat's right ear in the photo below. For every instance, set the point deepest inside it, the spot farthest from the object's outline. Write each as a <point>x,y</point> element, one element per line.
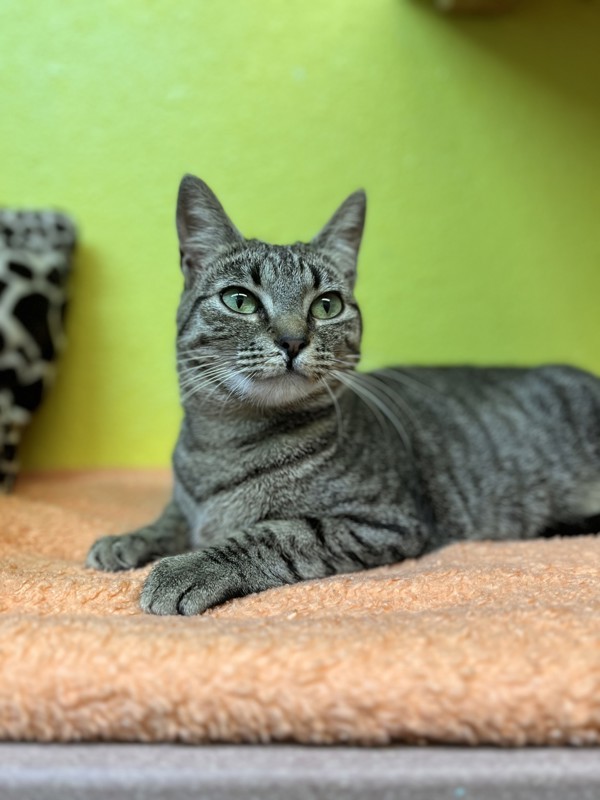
<point>203,227</point>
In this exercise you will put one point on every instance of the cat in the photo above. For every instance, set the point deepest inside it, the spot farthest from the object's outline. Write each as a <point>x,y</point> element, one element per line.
<point>291,465</point>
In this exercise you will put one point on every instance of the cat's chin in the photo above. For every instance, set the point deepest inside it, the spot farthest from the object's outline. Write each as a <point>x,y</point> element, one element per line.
<point>278,391</point>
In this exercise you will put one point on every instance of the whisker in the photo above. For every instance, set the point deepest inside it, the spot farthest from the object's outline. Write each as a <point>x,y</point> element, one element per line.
<point>338,412</point>
<point>395,397</point>
<point>211,380</point>
<point>348,364</point>
<point>195,375</point>
<point>205,358</point>
<point>201,362</point>
<point>380,399</point>
<point>344,379</point>
<point>402,377</point>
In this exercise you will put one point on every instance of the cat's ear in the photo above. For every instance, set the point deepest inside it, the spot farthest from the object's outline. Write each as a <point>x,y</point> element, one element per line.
<point>203,227</point>
<point>342,235</point>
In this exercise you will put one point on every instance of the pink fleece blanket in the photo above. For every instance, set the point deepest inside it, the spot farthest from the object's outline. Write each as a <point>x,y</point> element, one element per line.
<point>478,643</point>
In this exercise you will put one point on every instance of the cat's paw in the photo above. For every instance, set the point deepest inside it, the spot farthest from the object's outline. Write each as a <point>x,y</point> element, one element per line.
<point>187,584</point>
<point>115,553</point>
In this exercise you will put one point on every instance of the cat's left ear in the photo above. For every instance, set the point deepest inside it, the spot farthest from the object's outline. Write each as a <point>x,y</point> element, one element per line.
<point>342,235</point>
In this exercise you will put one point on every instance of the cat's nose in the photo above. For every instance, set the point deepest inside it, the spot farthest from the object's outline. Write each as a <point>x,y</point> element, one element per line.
<point>292,345</point>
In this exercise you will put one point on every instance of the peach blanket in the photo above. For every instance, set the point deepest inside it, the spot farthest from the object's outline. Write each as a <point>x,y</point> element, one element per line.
<point>478,643</point>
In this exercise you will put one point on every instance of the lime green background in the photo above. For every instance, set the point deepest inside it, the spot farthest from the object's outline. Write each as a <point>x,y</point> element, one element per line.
<point>478,141</point>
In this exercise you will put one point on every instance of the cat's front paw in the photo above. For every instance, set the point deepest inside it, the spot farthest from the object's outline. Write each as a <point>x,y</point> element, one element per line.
<point>115,553</point>
<point>188,584</point>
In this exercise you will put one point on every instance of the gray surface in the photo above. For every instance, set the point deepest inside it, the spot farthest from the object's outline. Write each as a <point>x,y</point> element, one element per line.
<point>158,772</point>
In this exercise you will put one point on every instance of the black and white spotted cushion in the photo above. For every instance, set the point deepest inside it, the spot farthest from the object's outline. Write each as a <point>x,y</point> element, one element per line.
<point>35,261</point>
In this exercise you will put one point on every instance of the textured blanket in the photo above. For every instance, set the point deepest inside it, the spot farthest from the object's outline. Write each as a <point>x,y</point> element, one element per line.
<point>478,643</point>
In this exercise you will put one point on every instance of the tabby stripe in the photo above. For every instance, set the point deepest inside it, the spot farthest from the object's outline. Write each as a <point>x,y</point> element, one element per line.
<point>288,562</point>
<point>331,570</point>
<point>595,412</point>
<point>204,339</point>
<point>328,261</point>
<point>423,503</point>
<point>459,436</point>
<point>231,550</point>
<point>539,402</point>
<point>355,351</point>
<point>567,408</point>
<point>316,527</point>
<point>487,434</point>
<point>216,556</point>
<point>345,553</point>
<point>364,544</point>
<point>315,276</point>
<point>540,399</point>
<point>377,525</point>
<point>429,418</point>
<point>517,401</point>
<point>236,257</point>
<point>354,557</point>
<point>519,511</point>
<point>258,472</point>
<point>288,425</point>
<point>200,299</point>
<point>540,452</point>
<point>342,551</point>
<point>269,538</point>
<point>255,274</point>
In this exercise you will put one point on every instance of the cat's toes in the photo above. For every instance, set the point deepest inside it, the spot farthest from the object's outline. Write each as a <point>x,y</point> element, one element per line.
<point>115,553</point>
<point>186,585</point>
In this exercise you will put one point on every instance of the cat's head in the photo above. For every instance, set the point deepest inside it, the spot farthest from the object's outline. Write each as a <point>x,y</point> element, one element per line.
<point>264,324</point>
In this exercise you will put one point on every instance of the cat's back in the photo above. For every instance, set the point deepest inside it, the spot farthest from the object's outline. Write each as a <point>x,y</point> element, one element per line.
<point>489,440</point>
<point>555,407</point>
<point>545,395</point>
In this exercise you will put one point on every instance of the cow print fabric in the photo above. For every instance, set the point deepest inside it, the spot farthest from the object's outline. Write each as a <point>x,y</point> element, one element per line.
<point>36,250</point>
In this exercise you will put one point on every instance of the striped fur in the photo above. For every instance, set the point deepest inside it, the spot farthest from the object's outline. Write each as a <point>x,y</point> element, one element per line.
<point>290,465</point>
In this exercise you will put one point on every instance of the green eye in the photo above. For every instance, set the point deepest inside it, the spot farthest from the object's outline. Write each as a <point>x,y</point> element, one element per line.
<point>327,306</point>
<point>240,300</point>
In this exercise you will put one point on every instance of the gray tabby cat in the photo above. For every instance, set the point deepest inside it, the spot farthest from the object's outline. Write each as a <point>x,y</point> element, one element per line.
<point>290,465</point>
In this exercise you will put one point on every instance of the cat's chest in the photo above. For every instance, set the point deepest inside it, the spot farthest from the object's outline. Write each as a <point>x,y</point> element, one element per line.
<point>221,491</point>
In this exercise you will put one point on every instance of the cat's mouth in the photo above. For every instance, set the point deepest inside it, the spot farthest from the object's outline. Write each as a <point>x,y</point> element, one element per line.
<point>284,388</point>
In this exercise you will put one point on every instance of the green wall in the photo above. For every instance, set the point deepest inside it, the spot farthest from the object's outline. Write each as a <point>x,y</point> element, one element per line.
<point>478,141</point>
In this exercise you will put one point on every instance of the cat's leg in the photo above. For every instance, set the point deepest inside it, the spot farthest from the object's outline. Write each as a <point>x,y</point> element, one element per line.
<point>271,554</point>
<point>167,536</point>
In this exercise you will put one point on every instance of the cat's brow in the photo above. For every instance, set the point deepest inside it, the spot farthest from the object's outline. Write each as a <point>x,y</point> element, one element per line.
<point>255,274</point>
<point>315,276</point>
